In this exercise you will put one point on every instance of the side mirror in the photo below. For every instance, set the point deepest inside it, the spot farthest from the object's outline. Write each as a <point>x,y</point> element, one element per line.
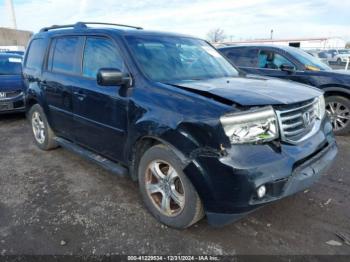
<point>287,68</point>
<point>112,77</point>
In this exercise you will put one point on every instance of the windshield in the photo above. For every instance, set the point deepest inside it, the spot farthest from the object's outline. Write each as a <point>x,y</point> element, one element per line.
<point>167,59</point>
<point>10,65</point>
<point>344,52</point>
<point>308,60</point>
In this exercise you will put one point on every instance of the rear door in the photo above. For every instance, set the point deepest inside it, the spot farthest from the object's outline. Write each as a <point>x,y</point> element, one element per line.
<point>100,112</point>
<point>62,74</point>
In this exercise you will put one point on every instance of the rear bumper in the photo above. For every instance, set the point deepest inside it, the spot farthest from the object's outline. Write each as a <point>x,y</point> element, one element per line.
<point>228,185</point>
<point>12,105</point>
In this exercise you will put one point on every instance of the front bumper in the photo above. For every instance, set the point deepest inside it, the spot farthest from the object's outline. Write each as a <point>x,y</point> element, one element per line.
<point>228,185</point>
<point>12,105</point>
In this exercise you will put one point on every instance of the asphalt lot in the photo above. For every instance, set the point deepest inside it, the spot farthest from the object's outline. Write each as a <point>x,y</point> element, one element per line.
<point>58,203</point>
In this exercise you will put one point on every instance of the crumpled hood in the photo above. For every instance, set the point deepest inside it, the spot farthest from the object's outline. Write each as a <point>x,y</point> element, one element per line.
<point>11,83</point>
<point>253,90</point>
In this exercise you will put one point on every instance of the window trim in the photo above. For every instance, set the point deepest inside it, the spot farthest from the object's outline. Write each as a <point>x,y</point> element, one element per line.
<point>47,57</point>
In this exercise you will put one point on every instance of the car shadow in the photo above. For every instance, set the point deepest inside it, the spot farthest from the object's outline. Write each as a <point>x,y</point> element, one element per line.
<point>12,117</point>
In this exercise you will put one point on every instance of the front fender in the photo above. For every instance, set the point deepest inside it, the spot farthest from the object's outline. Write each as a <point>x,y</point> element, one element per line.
<point>338,89</point>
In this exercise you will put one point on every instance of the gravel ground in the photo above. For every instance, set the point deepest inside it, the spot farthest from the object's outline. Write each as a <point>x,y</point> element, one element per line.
<point>58,203</point>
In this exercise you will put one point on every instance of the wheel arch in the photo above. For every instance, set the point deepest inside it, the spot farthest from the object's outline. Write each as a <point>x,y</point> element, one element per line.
<point>142,144</point>
<point>336,91</point>
<point>31,102</point>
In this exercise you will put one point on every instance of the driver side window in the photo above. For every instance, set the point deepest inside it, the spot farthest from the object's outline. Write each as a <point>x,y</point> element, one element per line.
<point>100,53</point>
<point>272,60</point>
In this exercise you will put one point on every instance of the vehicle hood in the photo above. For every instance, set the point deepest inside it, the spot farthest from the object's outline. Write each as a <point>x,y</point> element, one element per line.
<point>10,83</point>
<point>252,90</point>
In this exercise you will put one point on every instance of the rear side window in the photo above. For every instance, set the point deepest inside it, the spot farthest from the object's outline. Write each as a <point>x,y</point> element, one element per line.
<point>64,54</point>
<point>245,57</point>
<point>36,53</point>
<point>100,53</point>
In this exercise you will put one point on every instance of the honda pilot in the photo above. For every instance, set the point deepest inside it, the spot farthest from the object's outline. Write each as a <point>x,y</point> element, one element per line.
<point>171,112</point>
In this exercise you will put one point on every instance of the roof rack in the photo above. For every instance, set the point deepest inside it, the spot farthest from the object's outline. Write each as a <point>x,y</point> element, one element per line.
<point>83,25</point>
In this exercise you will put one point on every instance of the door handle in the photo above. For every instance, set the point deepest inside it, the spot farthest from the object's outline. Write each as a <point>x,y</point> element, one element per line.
<point>80,95</point>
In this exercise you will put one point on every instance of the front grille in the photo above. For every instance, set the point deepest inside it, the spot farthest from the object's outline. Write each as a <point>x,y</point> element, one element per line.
<point>11,94</point>
<point>298,121</point>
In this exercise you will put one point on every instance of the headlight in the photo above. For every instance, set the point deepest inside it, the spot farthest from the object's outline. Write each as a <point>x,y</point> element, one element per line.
<point>321,107</point>
<point>253,126</point>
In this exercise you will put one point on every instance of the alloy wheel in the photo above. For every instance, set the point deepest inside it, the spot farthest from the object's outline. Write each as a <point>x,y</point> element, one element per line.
<point>165,188</point>
<point>38,127</point>
<point>339,115</point>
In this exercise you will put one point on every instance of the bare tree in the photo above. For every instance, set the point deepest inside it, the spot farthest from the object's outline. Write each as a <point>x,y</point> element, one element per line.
<point>216,35</point>
<point>347,45</point>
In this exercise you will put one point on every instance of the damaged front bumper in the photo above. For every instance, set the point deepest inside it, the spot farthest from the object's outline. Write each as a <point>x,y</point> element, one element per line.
<point>228,185</point>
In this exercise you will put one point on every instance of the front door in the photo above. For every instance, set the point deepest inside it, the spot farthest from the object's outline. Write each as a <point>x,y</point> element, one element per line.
<point>100,112</point>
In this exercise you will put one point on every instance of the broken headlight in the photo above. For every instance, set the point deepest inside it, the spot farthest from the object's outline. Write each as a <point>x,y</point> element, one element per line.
<point>254,126</point>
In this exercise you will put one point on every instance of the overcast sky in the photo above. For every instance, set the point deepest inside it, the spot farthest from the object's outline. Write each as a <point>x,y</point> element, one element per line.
<point>240,19</point>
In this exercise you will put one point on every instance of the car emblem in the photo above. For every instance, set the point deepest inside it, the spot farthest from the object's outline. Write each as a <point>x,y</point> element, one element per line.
<point>306,119</point>
<point>2,95</point>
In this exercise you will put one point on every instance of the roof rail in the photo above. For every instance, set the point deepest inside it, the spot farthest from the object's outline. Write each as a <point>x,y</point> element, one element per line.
<point>100,23</point>
<point>82,25</point>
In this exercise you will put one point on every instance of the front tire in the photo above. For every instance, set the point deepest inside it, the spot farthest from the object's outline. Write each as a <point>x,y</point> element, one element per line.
<point>338,110</point>
<point>339,61</point>
<point>42,132</point>
<point>167,192</point>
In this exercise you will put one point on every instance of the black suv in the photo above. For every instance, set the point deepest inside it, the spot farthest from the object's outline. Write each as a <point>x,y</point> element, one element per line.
<point>294,64</point>
<point>174,114</point>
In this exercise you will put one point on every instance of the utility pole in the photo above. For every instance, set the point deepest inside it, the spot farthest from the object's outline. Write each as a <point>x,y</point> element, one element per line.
<point>12,13</point>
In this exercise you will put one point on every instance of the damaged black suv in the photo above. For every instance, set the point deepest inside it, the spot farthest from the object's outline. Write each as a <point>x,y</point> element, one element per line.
<point>200,137</point>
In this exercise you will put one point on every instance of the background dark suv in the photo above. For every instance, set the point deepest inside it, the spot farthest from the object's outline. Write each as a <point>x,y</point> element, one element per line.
<point>294,64</point>
<point>174,114</point>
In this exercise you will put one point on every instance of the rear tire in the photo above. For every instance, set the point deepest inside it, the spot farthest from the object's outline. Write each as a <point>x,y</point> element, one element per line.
<point>42,132</point>
<point>167,192</point>
<point>338,110</point>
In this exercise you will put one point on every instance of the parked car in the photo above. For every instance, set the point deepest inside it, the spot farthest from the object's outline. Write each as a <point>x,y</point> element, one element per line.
<point>11,84</point>
<point>338,56</point>
<point>321,55</point>
<point>294,64</point>
<point>174,114</point>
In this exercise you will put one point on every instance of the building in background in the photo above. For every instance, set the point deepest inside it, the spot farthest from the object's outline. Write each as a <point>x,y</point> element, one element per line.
<point>13,39</point>
<point>320,43</point>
